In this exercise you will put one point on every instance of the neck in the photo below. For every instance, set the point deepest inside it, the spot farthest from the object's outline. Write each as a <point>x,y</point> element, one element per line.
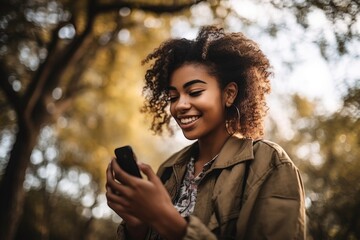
<point>209,148</point>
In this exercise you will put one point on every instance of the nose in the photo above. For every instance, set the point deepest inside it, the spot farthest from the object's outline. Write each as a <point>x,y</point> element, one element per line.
<point>183,104</point>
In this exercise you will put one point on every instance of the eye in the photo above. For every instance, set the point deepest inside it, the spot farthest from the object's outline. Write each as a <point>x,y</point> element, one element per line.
<point>172,98</point>
<point>196,93</point>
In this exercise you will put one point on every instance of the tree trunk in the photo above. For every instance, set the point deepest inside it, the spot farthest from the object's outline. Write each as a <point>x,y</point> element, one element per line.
<point>11,188</point>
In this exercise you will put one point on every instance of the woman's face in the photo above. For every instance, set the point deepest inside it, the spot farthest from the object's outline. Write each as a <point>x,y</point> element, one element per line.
<point>197,102</point>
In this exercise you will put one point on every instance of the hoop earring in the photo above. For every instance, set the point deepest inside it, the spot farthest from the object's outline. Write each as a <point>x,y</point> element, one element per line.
<point>233,123</point>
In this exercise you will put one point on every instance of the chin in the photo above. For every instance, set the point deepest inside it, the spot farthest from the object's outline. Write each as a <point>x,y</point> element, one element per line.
<point>190,136</point>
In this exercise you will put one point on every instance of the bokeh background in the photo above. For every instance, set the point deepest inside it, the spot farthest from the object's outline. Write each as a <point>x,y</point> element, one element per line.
<point>71,82</point>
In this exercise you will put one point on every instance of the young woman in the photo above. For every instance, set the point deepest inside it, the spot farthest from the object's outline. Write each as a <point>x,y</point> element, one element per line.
<point>228,184</point>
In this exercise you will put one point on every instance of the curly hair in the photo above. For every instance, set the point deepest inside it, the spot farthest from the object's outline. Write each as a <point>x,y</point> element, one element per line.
<point>230,57</point>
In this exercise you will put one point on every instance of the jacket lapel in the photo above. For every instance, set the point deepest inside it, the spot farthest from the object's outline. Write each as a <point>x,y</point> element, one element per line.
<point>234,151</point>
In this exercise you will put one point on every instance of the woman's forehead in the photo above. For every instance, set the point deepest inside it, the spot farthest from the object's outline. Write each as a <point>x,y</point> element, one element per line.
<point>194,73</point>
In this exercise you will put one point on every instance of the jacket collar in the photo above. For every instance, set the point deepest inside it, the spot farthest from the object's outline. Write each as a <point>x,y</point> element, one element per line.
<point>235,150</point>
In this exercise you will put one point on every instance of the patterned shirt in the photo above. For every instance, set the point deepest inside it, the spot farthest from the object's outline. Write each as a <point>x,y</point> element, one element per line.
<point>188,190</point>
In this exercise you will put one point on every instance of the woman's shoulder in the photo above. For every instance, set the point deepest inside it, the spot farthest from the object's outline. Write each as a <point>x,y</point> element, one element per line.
<point>266,149</point>
<point>270,159</point>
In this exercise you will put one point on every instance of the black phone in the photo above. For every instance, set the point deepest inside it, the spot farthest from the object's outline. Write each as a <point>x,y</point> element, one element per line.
<point>125,157</point>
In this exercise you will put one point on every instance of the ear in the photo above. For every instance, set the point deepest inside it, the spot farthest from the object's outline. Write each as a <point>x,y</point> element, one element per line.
<point>230,93</point>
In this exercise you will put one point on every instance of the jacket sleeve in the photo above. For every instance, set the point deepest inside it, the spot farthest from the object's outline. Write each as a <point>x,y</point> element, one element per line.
<point>121,232</point>
<point>196,230</point>
<point>279,211</point>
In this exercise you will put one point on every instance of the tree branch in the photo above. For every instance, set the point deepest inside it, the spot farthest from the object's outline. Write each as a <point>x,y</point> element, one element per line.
<point>52,74</point>
<point>154,8</point>
<point>35,89</point>
<point>11,95</point>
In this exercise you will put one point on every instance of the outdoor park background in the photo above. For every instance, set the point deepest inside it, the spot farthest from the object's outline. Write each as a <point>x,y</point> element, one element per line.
<point>71,82</point>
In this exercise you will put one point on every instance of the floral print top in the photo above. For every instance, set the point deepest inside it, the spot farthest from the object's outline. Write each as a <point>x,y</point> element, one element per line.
<point>188,190</point>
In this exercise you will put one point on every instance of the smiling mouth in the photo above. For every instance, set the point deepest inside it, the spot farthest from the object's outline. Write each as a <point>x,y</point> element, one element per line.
<point>188,120</point>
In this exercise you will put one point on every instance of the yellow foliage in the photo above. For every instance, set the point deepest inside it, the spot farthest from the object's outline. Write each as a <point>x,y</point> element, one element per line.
<point>304,107</point>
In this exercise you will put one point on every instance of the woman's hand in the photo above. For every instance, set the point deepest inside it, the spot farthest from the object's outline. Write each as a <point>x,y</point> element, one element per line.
<point>144,201</point>
<point>136,228</point>
<point>140,198</point>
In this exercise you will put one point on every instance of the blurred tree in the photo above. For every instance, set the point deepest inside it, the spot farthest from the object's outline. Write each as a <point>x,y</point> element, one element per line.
<point>65,213</point>
<point>326,148</point>
<point>61,196</point>
<point>53,52</point>
<point>343,16</point>
<point>334,195</point>
<point>46,48</point>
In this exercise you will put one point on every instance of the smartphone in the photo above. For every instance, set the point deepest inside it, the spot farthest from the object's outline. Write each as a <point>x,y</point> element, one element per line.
<point>125,157</point>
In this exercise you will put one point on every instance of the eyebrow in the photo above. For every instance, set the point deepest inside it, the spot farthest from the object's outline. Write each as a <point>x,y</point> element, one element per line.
<point>188,84</point>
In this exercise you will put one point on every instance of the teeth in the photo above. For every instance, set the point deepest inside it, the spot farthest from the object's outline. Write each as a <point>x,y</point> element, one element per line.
<point>188,120</point>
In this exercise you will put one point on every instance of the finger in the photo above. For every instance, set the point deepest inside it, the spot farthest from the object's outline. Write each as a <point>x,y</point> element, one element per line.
<point>111,190</point>
<point>118,189</point>
<point>114,186</point>
<point>131,220</point>
<point>119,205</point>
<point>147,170</point>
<point>121,175</point>
<point>116,199</point>
<point>109,175</point>
<point>118,208</point>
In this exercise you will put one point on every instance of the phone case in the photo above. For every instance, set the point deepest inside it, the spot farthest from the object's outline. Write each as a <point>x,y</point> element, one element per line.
<point>126,159</point>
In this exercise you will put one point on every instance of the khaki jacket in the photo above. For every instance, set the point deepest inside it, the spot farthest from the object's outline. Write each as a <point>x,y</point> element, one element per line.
<point>273,201</point>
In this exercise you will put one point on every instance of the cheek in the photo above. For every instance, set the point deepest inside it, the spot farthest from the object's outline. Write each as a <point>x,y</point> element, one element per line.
<point>172,109</point>
<point>215,109</point>
<point>212,103</point>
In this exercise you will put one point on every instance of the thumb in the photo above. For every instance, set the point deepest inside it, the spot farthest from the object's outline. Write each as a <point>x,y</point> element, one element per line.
<point>147,170</point>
